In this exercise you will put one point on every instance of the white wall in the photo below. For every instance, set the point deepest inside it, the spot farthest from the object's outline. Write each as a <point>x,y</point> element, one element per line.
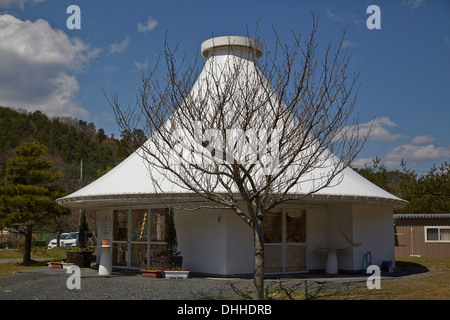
<point>374,227</point>
<point>340,226</point>
<point>202,240</point>
<point>369,227</point>
<point>214,241</point>
<point>239,248</point>
<point>316,237</point>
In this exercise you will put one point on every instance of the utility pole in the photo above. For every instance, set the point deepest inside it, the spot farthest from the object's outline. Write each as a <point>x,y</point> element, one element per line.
<point>81,171</point>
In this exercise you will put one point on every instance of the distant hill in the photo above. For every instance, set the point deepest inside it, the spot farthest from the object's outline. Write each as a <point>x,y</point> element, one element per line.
<point>68,140</point>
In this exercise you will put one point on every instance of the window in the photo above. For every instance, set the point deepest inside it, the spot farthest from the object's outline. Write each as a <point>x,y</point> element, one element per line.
<point>158,224</point>
<point>295,225</point>
<point>137,235</point>
<point>437,234</point>
<point>120,225</point>
<point>273,227</point>
<point>139,225</point>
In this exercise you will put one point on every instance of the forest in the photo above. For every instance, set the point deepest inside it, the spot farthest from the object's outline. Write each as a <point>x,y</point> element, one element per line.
<point>69,142</point>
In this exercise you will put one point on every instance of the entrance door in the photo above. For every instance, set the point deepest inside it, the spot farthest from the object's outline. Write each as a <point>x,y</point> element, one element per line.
<point>285,240</point>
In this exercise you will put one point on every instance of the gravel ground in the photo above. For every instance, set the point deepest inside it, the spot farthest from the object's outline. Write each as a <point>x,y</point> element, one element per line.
<point>51,284</point>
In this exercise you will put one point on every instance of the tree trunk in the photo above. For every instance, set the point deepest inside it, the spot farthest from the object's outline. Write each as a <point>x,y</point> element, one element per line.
<point>27,245</point>
<point>258,264</point>
<point>58,238</point>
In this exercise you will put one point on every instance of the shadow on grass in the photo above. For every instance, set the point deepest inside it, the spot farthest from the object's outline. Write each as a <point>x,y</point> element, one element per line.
<point>404,268</point>
<point>34,263</point>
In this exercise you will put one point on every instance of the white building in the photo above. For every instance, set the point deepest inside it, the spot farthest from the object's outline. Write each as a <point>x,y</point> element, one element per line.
<point>344,221</point>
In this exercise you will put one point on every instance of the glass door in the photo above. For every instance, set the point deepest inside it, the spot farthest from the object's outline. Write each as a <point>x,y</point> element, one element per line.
<point>139,237</point>
<point>273,242</point>
<point>120,239</point>
<point>295,241</point>
<point>285,240</point>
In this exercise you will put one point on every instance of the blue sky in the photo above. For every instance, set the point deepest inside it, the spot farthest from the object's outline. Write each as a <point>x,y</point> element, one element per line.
<point>404,66</point>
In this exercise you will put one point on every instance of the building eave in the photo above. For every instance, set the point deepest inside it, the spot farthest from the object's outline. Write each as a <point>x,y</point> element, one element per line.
<point>144,199</point>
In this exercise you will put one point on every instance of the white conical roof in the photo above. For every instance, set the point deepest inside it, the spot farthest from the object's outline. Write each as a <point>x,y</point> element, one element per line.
<point>132,182</point>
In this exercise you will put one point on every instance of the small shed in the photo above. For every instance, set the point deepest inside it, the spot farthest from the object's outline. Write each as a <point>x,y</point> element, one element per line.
<point>422,235</point>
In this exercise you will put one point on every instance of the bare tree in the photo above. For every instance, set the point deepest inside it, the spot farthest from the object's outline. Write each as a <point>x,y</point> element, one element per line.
<point>248,133</point>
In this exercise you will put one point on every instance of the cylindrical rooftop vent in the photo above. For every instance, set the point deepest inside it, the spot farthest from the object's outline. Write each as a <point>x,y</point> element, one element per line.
<point>229,42</point>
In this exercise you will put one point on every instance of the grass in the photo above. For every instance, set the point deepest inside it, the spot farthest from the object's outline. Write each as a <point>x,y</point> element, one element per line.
<point>47,255</point>
<point>433,285</point>
<point>432,282</point>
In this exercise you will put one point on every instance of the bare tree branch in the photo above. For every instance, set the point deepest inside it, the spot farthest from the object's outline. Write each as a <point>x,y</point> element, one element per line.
<point>248,135</point>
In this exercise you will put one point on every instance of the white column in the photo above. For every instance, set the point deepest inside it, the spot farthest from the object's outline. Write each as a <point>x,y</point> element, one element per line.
<point>105,267</point>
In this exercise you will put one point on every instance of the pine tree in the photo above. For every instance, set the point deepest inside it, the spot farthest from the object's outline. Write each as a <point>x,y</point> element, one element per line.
<point>30,194</point>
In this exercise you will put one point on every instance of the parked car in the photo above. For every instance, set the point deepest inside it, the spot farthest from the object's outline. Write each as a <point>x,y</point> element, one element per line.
<point>72,240</point>
<point>52,244</point>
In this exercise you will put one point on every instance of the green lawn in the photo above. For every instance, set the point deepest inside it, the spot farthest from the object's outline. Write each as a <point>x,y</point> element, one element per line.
<point>432,285</point>
<point>48,255</point>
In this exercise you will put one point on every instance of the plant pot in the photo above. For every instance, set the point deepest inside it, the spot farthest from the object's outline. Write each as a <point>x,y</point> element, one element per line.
<point>151,273</point>
<point>81,259</point>
<point>105,242</point>
<point>166,262</point>
<point>56,265</point>
<point>181,274</point>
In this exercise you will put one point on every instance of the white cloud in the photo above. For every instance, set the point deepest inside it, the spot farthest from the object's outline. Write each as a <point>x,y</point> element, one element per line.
<point>379,130</point>
<point>36,65</point>
<point>344,18</point>
<point>422,139</point>
<point>141,65</point>
<point>413,4</point>
<point>415,153</point>
<point>151,24</point>
<point>362,162</point>
<point>348,44</point>
<point>118,47</point>
<point>6,4</point>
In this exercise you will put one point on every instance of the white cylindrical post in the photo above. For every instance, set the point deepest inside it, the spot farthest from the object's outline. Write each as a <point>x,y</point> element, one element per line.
<point>105,267</point>
<point>332,262</point>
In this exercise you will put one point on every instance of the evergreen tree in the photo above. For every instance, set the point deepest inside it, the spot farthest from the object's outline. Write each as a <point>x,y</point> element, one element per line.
<point>30,195</point>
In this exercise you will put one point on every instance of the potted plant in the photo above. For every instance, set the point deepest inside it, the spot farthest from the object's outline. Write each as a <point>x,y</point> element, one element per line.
<point>56,265</point>
<point>81,256</point>
<point>176,273</point>
<point>59,264</point>
<point>105,241</point>
<point>152,273</point>
<point>170,258</point>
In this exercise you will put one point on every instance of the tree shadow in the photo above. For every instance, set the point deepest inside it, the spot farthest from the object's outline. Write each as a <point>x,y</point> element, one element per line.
<point>405,268</point>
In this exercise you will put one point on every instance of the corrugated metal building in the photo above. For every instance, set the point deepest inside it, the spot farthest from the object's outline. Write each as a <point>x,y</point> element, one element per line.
<point>424,235</point>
